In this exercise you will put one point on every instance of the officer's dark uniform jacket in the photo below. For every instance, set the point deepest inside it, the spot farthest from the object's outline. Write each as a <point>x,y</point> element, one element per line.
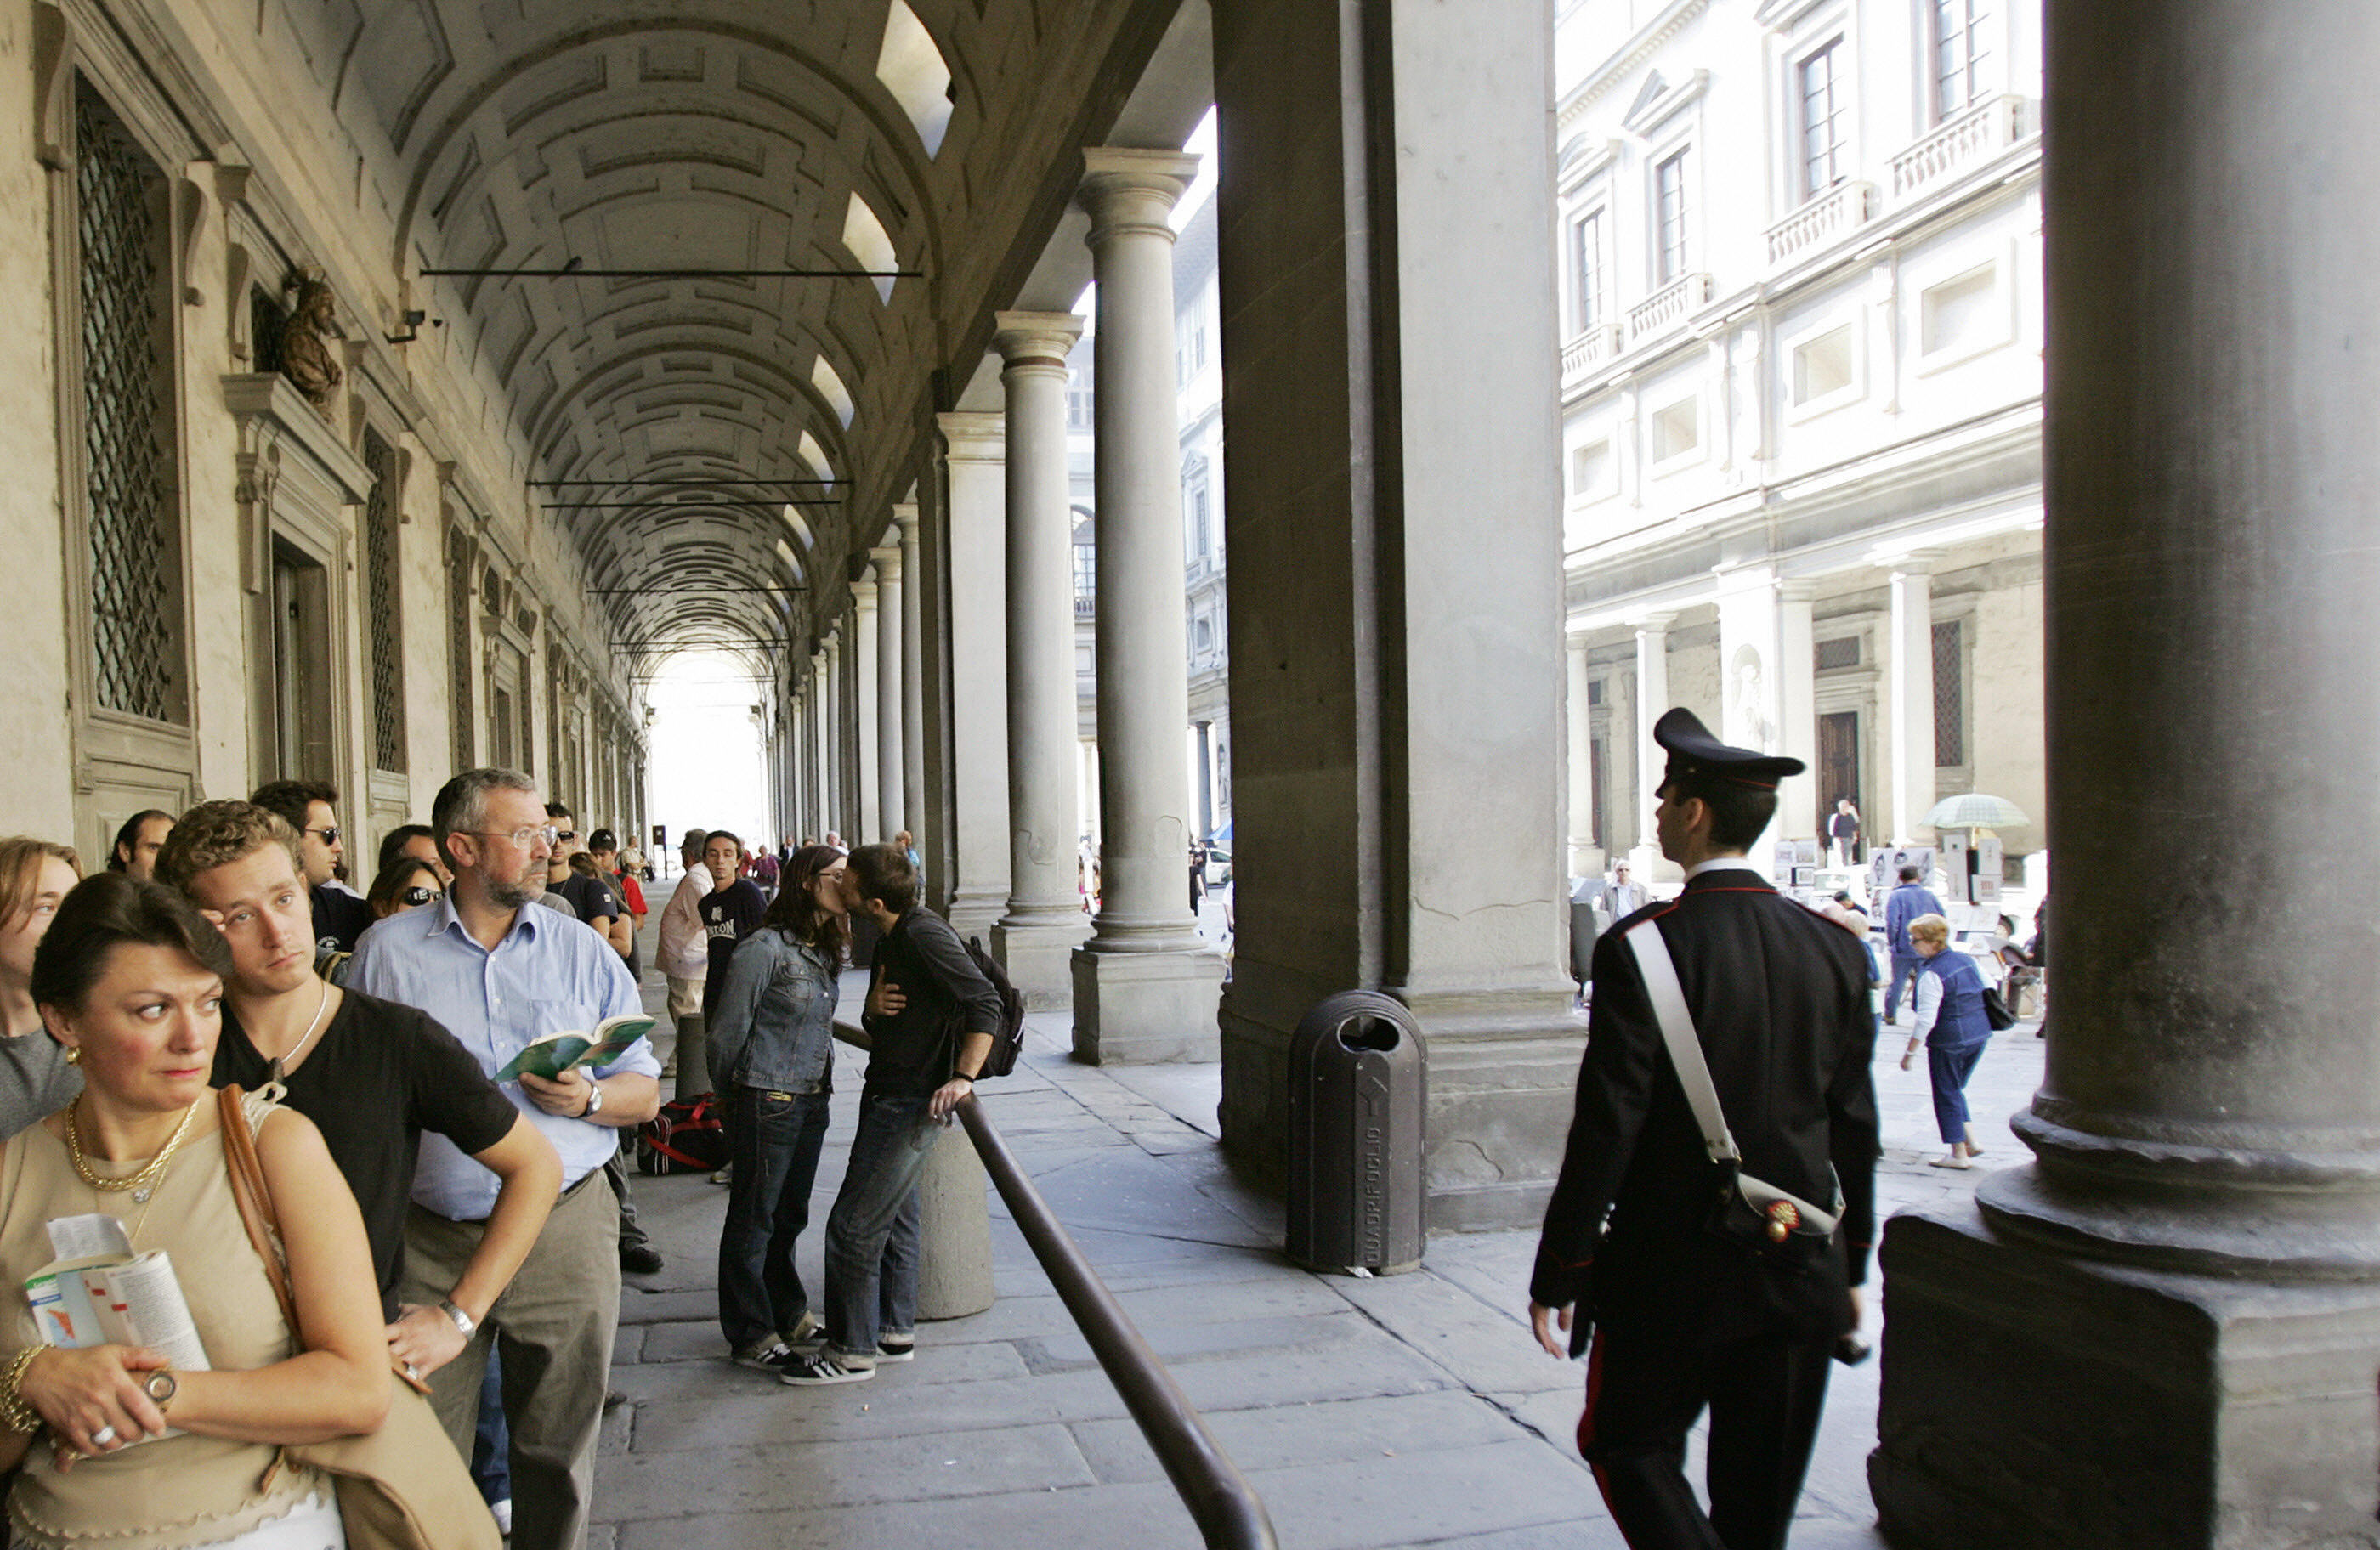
<point>1779,1002</point>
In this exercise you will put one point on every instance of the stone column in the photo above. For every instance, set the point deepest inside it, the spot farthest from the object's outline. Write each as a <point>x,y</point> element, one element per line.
<point>1146,983</point>
<point>976,457</point>
<point>1652,703</point>
<point>867,651</point>
<point>1583,860</point>
<point>1910,686</point>
<point>837,736</point>
<point>913,676</point>
<point>1396,594</point>
<point>891,808</point>
<point>2162,1331</point>
<point>1800,807</point>
<point>1044,919</point>
<point>815,816</point>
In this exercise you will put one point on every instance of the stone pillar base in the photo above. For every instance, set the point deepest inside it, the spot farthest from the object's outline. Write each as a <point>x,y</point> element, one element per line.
<point>976,915</point>
<point>1503,1074</point>
<point>1147,1008</point>
<point>953,1230</point>
<point>2033,1401</point>
<point>1036,959</point>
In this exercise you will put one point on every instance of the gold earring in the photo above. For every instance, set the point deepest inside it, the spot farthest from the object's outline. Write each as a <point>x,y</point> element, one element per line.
<point>73,1055</point>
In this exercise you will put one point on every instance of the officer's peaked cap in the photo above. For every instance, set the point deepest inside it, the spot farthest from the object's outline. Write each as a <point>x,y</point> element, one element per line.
<point>1695,756</point>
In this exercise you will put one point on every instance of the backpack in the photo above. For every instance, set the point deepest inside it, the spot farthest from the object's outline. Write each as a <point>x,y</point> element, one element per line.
<point>1009,1042</point>
<point>687,1136</point>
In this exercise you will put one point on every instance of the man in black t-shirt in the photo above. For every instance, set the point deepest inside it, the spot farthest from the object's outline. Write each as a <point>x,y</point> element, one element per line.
<point>372,1076</point>
<point>309,807</point>
<point>730,912</point>
<point>596,900</point>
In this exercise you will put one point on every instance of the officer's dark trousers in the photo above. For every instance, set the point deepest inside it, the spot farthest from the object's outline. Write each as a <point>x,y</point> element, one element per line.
<point>1644,1391</point>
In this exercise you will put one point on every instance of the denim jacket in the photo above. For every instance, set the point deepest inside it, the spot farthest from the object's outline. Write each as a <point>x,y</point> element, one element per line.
<point>774,1024</point>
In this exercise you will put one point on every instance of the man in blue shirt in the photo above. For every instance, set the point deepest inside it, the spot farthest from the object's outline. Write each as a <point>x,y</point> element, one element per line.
<point>1907,902</point>
<point>500,975</point>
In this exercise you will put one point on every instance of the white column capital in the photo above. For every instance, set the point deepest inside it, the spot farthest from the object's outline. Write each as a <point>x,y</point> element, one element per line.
<point>1917,562</point>
<point>973,436</point>
<point>886,560</point>
<point>1125,191</point>
<point>863,594</point>
<point>1797,589</point>
<point>1029,340</point>
<point>905,517</point>
<point>1652,623</point>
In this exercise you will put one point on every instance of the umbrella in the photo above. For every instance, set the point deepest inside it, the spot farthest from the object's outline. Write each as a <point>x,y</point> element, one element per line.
<point>1976,810</point>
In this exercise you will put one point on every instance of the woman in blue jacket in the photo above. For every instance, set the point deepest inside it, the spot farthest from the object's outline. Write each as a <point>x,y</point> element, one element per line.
<point>771,1055</point>
<point>1951,1025</point>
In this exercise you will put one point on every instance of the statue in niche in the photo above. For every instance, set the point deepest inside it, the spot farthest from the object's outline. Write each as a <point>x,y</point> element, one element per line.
<point>307,357</point>
<point>1748,724</point>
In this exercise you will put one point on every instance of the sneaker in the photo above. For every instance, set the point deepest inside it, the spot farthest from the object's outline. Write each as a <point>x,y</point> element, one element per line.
<point>763,1356</point>
<point>823,1368</point>
<point>503,1513</point>
<point>725,1175</point>
<point>897,1348</point>
<point>642,1259</point>
<point>808,1333</point>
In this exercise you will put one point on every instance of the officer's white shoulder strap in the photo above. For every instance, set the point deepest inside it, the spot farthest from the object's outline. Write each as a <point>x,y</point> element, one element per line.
<point>1660,973</point>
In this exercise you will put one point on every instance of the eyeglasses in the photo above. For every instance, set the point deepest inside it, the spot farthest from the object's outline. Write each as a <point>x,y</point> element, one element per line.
<point>330,834</point>
<point>566,833</point>
<point>418,896</point>
<point>834,876</point>
<point>524,836</point>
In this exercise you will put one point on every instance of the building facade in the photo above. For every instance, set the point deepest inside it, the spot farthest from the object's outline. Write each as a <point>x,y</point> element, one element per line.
<point>1801,257</point>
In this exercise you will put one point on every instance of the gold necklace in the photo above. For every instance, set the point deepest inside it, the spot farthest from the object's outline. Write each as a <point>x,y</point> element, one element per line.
<point>143,1184</point>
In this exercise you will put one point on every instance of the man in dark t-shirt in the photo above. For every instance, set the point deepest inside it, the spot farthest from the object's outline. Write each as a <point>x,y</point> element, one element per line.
<point>731,912</point>
<point>372,1076</point>
<point>593,898</point>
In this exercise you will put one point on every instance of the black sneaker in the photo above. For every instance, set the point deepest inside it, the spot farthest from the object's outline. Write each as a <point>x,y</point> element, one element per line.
<point>897,1348</point>
<point>641,1260</point>
<point>763,1356</point>
<point>824,1368</point>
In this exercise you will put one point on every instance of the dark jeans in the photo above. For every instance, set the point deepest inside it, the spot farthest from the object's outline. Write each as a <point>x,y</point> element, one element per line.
<point>871,1234</point>
<point>492,1442</point>
<point>772,1144</point>
<point>1644,1390</point>
<point>1949,1068</point>
<point>1906,967</point>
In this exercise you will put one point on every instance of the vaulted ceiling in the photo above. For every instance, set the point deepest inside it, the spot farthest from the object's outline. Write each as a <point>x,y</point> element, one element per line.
<point>702,419</point>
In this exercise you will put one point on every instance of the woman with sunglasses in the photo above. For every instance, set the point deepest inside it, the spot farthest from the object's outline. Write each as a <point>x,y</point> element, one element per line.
<point>405,883</point>
<point>772,1060</point>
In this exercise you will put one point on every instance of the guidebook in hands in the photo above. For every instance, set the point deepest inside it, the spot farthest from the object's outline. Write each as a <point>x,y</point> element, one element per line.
<point>97,1291</point>
<point>556,1053</point>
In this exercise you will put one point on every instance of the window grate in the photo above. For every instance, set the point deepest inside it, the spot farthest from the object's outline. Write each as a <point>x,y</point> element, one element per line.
<point>267,321</point>
<point>458,653</point>
<point>381,604</point>
<point>1839,653</point>
<point>125,446</point>
<point>1949,694</point>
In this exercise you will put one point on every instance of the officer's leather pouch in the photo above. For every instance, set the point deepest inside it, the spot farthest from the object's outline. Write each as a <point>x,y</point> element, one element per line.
<point>1782,1229</point>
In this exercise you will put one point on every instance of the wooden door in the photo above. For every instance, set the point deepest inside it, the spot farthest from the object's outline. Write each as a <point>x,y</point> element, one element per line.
<point>1839,763</point>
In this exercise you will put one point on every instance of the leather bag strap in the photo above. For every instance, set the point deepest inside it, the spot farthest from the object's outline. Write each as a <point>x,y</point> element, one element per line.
<point>254,1196</point>
<point>1660,974</point>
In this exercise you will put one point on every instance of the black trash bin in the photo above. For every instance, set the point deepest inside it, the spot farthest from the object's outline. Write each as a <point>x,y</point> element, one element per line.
<point>1358,1088</point>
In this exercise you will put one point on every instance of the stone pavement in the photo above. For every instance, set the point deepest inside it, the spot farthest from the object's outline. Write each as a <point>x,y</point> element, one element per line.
<point>1404,1410</point>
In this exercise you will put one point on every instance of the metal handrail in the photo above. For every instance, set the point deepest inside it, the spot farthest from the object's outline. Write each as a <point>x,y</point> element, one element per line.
<point>1229,1513</point>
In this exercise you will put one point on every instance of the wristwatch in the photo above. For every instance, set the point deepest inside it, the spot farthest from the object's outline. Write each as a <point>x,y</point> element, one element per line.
<point>594,1099</point>
<point>463,1321</point>
<point>161,1387</point>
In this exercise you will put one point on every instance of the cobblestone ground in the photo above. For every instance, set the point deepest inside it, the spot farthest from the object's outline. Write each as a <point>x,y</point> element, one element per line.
<point>1405,1411</point>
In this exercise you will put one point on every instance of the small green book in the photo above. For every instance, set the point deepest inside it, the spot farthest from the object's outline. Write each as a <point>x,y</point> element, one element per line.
<point>556,1053</point>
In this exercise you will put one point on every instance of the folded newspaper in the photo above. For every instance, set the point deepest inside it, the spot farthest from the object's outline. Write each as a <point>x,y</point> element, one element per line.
<point>556,1053</point>
<point>98,1292</point>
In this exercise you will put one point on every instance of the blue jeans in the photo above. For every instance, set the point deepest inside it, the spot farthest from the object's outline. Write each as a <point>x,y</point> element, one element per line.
<point>871,1234</point>
<point>772,1143</point>
<point>491,1441</point>
<point>1949,1069</point>
<point>1906,966</point>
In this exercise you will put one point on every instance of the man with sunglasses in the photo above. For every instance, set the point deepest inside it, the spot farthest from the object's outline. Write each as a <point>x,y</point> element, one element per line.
<point>500,973</point>
<point>596,901</point>
<point>311,807</point>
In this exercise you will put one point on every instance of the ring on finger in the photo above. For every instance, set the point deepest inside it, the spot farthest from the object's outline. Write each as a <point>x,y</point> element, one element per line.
<point>104,1436</point>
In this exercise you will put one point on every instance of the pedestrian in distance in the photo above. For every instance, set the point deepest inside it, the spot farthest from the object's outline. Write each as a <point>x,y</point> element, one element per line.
<point>1905,903</point>
<point>1949,1021</point>
<point>1687,1317</point>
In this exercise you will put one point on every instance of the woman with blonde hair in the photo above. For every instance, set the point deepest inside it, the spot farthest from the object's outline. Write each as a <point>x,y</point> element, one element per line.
<point>1952,1025</point>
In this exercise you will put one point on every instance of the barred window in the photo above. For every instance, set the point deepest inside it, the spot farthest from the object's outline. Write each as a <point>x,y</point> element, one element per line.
<point>382,600</point>
<point>459,676</point>
<point>1949,694</point>
<point>267,321</point>
<point>1840,652</point>
<point>127,420</point>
